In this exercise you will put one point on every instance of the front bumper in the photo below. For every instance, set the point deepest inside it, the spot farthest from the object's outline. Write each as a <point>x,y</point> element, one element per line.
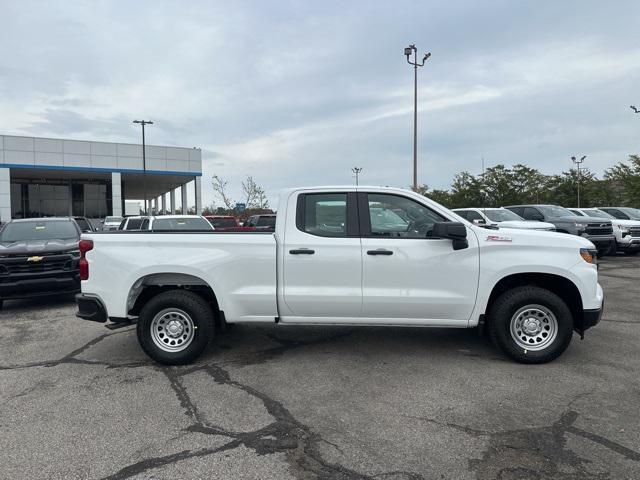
<point>90,308</point>
<point>35,285</point>
<point>590,318</point>
<point>632,243</point>
<point>601,242</point>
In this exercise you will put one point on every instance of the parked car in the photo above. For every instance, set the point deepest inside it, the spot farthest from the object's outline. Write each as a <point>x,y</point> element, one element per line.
<point>225,223</point>
<point>329,263</point>
<point>111,223</point>
<point>84,224</point>
<point>627,232</point>
<point>133,222</point>
<point>599,232</point>
<point>262,222</point>
<point>166,222</point>
<point>177,222</point>
<point>501,217</point>
<point>39,256</point>
<point>622,213</point>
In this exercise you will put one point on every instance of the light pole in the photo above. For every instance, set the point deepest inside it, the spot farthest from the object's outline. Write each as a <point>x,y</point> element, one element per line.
<point>633,107</point>
<point>144,162</point>
<point>408,51</point>
<point>356,171</point>
<point>578,163</point>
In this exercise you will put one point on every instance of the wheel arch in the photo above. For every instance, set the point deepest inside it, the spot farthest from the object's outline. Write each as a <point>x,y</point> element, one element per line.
<point>148,286</point>
<point>561,286</point>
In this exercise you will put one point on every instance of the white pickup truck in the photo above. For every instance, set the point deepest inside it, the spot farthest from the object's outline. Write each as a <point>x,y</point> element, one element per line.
<point>344,256</point>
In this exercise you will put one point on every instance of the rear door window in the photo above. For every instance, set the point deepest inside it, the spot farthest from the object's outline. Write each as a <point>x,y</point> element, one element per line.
<point>530,213</point>
<point>325,214</point>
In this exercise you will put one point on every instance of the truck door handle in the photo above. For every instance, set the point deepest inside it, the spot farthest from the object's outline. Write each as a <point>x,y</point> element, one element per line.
<point>380,251</point>
<point>302,251</point>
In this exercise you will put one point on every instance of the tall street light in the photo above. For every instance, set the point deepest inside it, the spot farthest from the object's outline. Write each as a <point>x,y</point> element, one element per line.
<point>408,51</point>
<point>144,162</point>
<point>356,171</point>
<point>578,163</point>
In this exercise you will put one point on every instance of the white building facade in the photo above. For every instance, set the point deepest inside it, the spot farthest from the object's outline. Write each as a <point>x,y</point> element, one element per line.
<point>54,177</point>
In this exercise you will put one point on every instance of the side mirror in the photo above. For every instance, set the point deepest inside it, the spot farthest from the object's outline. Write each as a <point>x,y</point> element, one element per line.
<point>454,231</point>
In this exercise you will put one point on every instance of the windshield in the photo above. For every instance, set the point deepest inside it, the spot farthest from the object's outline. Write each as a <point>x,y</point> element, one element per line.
<point>38,230</point>
<point>634,213</point>
<point>84,225</point>
<point>598,214</point>
<point>501,215</point>
<point>554,211</point>
<point>113,220</point>
<point>181,224</point>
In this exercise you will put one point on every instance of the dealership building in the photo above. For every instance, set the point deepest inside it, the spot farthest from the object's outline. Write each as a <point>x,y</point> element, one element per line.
<point>41,177</point>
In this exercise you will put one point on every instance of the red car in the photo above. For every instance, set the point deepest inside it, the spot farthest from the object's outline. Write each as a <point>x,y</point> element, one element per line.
<point>225,223</point>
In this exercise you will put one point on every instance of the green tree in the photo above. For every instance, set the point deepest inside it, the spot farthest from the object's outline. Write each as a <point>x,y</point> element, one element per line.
<point>624,180</point>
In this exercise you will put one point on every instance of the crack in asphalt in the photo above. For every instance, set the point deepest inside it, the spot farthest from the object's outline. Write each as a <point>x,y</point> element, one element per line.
<point>536,452</point>
<point>285,434</point>
<point>71,357</point>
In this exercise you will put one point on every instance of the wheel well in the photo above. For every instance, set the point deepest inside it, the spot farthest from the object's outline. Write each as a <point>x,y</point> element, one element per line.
<point>561,286</point>
<point>151,285</point>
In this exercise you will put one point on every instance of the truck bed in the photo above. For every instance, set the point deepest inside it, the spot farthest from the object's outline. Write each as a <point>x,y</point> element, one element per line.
<point>239,266</point>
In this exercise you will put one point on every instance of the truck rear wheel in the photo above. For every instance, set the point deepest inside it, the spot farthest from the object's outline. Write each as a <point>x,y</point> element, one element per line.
<point>530,324</point>
<point>175,327</point>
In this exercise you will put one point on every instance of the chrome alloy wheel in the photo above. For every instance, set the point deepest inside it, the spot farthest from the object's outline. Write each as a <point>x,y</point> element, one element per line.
<point>172,330</point>
<point>534,327</point>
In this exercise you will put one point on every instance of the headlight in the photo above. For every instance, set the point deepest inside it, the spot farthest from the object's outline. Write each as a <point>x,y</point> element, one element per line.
<point>581,225</point>
<point>588,255</point>
<point>622,228</point>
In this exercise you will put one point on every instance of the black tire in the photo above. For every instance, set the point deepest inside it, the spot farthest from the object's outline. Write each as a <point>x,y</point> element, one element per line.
<point>197,312</point>
<point>504,309</point>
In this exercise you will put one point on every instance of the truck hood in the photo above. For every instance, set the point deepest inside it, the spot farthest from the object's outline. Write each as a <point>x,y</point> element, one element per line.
<point>576,219</point>
<point>527,237</point>
<point>38,246</point>
<point>626,223</point>
<point>532,225</point>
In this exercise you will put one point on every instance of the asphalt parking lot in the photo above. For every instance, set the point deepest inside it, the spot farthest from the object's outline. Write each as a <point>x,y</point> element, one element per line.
<point>80,401</point>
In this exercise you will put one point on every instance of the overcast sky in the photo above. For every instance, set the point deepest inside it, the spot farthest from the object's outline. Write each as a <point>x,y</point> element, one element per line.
<point>297,93</point>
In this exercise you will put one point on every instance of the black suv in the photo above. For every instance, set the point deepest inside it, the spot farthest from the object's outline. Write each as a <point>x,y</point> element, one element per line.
<point>39,256</point>
<point>598,231</point>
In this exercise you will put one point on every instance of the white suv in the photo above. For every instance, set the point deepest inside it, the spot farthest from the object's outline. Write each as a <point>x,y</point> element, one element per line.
<point>166,222</point>
<point>627,232</point>
<point>501,217</point>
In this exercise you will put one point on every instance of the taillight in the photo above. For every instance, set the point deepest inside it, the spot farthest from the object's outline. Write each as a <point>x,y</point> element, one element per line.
<point>84,246</point>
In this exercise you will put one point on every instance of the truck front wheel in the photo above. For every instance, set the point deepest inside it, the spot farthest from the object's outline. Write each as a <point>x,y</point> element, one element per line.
<point>530,324</point>
<point>175,327</point>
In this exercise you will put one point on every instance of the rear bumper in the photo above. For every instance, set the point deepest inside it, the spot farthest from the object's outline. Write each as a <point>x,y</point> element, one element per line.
<point>90,308</point>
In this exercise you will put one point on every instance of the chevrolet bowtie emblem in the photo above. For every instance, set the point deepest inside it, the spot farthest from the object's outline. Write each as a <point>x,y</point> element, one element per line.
<point>34,259</point>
